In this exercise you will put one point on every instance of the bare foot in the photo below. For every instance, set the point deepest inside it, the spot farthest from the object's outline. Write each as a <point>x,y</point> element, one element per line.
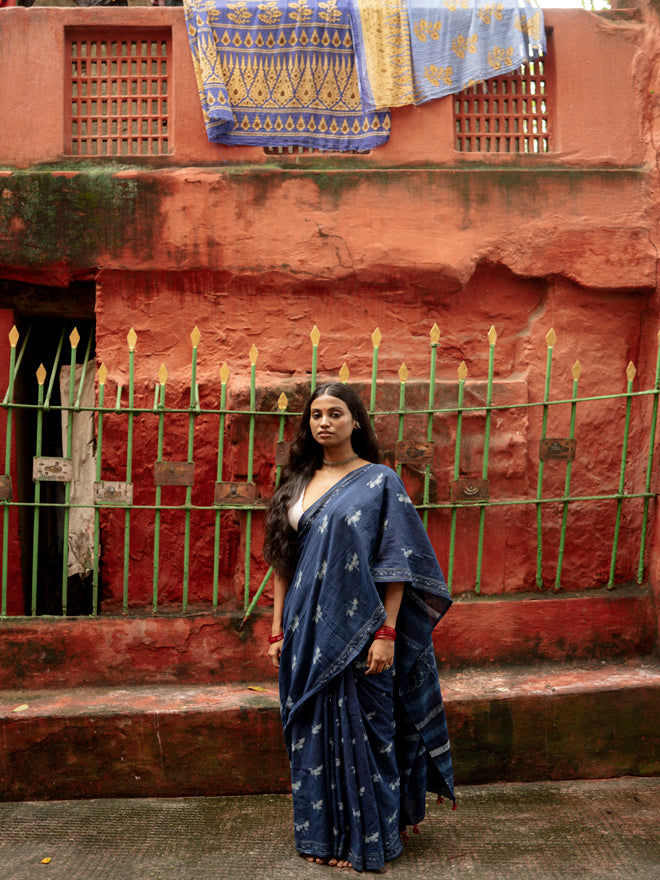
<point>313,860</point>
<point>332,863</point>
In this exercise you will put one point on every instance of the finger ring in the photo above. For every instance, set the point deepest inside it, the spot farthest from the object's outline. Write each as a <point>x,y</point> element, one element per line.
<point>388,666</point>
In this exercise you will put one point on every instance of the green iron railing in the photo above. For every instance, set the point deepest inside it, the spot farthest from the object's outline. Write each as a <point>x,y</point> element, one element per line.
<point>640,411</point>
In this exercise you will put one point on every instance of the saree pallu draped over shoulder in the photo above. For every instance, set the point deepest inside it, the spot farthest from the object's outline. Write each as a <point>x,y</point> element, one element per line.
<point>364,750</point>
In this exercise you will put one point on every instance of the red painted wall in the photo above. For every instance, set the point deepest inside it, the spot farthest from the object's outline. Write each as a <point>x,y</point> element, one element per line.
<point>253,249</point>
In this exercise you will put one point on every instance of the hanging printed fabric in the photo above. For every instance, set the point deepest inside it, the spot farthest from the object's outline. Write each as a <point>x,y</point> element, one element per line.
<point>280,73</point>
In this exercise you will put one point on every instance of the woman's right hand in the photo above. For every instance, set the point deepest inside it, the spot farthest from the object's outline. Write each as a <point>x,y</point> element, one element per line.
<point>274,652</point>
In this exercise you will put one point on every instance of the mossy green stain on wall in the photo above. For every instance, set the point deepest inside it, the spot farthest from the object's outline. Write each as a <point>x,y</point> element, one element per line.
<point>46,218</point>
<point>473,186</point>
<point>81,217</point>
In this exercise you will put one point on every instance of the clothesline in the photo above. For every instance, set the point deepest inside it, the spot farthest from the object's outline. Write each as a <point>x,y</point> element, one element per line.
<point>325,73</point>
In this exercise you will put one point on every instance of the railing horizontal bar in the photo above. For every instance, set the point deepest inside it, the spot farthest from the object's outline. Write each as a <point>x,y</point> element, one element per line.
<point>558,500</point>
<point>394,412</point>
<point>446,505</point>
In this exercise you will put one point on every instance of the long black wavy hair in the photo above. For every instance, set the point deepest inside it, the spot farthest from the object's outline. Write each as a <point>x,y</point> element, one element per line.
<point>306,457</point>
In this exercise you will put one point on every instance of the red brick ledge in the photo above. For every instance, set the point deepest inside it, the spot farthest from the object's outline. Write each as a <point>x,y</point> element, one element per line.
<point>208,649</point>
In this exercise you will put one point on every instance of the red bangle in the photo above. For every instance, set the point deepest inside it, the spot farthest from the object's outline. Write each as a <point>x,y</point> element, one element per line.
<point>277,638</point>
<point>386,632</point>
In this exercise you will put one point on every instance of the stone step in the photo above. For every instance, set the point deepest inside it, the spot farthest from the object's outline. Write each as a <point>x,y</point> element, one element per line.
<point>549,721</point>
<point>213,649</point>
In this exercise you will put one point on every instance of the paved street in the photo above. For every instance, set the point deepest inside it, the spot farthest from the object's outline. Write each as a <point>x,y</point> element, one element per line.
<point>593,830</point>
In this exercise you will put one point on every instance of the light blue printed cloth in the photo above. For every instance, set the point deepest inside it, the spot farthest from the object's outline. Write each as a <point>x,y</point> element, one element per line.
<point>412,51</point>
<point>457,43</point>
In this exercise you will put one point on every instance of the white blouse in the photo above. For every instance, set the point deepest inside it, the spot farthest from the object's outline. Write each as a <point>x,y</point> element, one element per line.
<point>296,511</point>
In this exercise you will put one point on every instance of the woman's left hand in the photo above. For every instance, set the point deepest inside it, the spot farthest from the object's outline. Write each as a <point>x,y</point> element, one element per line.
<point>380,656</point>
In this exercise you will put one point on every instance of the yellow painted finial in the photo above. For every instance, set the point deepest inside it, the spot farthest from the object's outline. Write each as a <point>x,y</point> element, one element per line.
<point>551,337</point>
<point>492,335</point>
<point>131,339</point>
<point>162,374</point>
<point>435,334</point>
<point>74,338</point>
<point>254,354</point>
<point>631,371</point>
<point>13,336</point>
<point>41,374</point>
<point>315,335</point>
<point>344,373</point>
<point>403,373</point>
<point>103,374</point>
<point>462,371</point>
<point>577,370</point>
<point>376,337</point>
<point>282,402</point>
<point>224,373</point>
<point>195,336</point>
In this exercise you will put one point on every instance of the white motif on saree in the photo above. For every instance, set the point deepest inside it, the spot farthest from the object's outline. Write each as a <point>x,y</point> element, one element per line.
<point>353,563</point>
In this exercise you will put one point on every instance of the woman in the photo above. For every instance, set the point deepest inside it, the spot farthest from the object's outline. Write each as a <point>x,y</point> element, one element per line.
<point>357,592</point>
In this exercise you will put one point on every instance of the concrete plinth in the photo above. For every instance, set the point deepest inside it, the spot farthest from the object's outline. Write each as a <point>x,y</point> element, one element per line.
<point>543,722</point>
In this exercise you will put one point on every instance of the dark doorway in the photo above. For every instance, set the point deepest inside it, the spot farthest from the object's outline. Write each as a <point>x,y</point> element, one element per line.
<point>42,335</point>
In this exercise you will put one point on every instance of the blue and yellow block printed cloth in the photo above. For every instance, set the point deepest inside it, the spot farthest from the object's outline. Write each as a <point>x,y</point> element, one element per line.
<point>280,73</point>
<point>324,73</point>
<point>412,51</point>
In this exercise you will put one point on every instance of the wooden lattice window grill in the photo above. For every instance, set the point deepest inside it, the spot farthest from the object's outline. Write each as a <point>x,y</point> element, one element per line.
<point>506,114</point>
<point>118,92</point>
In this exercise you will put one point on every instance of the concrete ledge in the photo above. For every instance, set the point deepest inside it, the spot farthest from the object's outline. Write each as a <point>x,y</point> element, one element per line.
<point>141,741</point>
<point>549,722</point>
<point>208,649</point>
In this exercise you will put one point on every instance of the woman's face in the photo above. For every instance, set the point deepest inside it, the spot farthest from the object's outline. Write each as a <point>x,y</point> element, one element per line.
<point>331,422</point>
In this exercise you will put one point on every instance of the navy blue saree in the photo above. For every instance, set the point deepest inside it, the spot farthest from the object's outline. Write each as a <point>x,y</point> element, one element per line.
<point>364,750</point>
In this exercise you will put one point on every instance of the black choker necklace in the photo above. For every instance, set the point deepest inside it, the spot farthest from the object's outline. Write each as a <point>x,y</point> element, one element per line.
<point>348,460</point>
